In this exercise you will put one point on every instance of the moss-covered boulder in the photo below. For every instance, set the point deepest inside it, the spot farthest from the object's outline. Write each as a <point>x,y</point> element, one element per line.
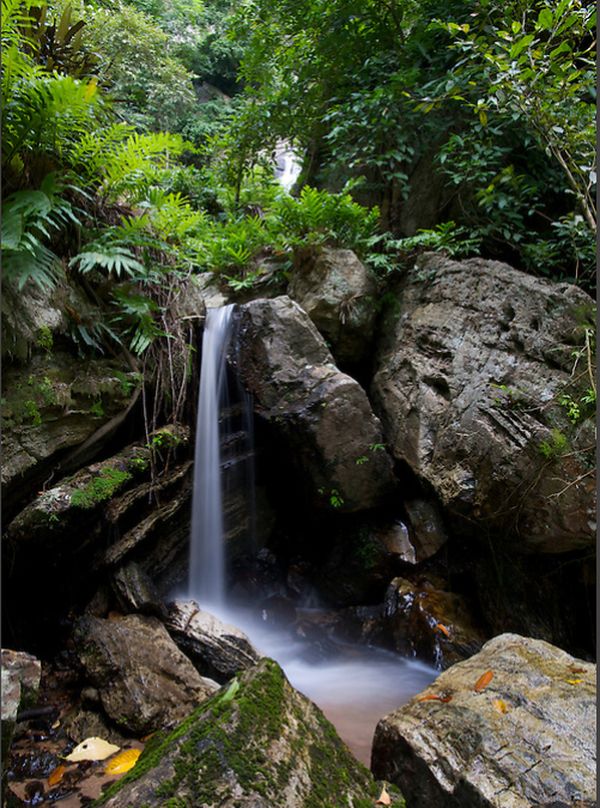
<point>257,742</point>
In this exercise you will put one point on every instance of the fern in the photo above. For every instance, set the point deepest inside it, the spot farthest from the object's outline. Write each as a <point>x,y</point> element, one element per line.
<point>113,258</point>
<point>136,312</point>
<point>28,221</point>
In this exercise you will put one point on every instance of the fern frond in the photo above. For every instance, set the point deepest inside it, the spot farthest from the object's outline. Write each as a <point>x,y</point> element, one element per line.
<point>114,259</point>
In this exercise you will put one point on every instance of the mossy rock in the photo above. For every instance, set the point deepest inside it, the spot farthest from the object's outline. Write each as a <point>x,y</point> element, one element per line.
<point>256,742</point>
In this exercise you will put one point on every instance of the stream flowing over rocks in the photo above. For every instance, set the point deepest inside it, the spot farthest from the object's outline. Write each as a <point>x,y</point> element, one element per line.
<point>417,487</point>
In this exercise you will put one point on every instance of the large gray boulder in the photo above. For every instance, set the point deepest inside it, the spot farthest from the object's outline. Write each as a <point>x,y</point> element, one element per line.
<point>527,737</point>
<point>339,294</point>
<point>257,743</point>
<point>322,416</point>
<point>217,649</point>
<point>145,682</point>
<point>469,370</point>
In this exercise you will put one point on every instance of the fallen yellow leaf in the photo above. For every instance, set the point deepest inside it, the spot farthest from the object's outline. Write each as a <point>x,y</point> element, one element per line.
<point>384,798</point>
<point>574,681</point>
<point>500,706</point>
<point>123,762</point>
<point>92,749</point>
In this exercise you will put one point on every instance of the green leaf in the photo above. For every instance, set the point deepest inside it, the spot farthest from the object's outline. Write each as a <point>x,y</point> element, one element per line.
<point>545,19</point>
<point>520,45</point>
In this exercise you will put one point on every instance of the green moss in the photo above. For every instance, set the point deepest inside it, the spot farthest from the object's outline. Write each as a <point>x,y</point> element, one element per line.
<point>44,339</point>
<point>138,463</point>
<point>31,412</point>
<point>229,738</point>
<point>97,409</point>
<point>100,488</point>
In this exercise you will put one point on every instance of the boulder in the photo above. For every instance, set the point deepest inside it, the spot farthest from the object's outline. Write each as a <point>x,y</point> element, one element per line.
<point>526,738</point>
<point>135,592</point>
<point>426,529</point>
<point>217,649</point>
<point>321,416</point>
<point>339,294</point>
<point>258,742</point>
<point>418,618</point>
<point>470,369</point>
<point>145,682</point>
<point>21,674</point>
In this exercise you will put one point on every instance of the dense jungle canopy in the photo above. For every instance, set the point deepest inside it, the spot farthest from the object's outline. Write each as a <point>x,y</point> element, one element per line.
<point>139,140</point>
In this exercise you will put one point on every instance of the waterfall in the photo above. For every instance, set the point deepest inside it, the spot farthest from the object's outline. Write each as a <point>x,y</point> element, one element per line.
<point>288,165</point>
<point>207,554</point>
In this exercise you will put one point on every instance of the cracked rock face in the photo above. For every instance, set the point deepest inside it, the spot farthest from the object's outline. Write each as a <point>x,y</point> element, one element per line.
<point>527,738</point>
<point>469,371</point>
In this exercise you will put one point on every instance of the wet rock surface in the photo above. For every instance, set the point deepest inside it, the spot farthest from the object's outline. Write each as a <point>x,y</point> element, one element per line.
<point>21,674</point>
<point>258,743</point>
<point>419,619</point>
<point>523,735</point>
<point>423,620</point>
<point>217,649</point>
<point>338,293</point>
<point>321,415</point>
<point>468,373</point>
<point>144,681</point>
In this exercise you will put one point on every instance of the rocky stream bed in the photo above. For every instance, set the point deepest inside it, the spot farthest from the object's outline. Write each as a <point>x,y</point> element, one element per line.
<point>419,491</point>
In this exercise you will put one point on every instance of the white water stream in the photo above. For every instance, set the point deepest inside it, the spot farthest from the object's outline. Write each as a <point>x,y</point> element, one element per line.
<point>354,687</point>
<point>206,580</point>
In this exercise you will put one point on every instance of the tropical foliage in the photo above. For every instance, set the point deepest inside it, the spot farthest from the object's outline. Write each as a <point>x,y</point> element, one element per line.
<point>126,161</point>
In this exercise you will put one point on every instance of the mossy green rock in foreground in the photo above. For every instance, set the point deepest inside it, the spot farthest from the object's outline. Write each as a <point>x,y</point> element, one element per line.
<point>257,742</point>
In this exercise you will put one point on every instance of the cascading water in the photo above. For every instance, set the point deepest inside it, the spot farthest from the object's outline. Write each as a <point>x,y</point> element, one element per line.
<point>288,165</point>
<point>354,686</point>
<point>206,582</point>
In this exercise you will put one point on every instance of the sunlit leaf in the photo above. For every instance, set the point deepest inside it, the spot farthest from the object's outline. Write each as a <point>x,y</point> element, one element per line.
<point>443,697</point>
<point>123,762</point>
